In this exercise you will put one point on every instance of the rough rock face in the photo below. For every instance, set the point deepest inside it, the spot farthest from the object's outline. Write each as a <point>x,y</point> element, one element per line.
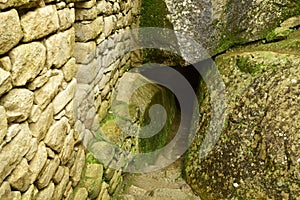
<point>218,24</point>
<point>257,155</point>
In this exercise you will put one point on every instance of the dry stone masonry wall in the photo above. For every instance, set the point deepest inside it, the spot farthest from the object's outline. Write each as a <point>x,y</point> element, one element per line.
<point>49,50</point>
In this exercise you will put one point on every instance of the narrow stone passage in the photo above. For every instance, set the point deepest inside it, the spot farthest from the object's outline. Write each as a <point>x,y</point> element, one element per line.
<point>166,183</point>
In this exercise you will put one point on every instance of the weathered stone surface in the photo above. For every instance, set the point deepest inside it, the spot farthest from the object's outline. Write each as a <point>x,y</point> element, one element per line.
<point>9,38</point>
<point>102,151</point>
<point>77,168</point>
<point>56,55</point>
<point>85,52</point>
<point>13,152</point>
<point>70,69</point>
<point>64,97</point>
<point>94,171</point>
<point>34,114</point>
<point>45,94</point>
<point>18,104</point>
<point>66,18</point>
<point>5,190</point>
<point>47,193</point>
<point>81,194</point>
<point>33,149</point>
<point>30,193</point>
<point>87,4</point>
<point>27,62</point>
<point>109,24</point>
<point>218,25</point>
<point>38,162</point>
<point>88,30</point>
<point>86,14</point>
<point>58,175</point>
<point>257,153</point>
<point>40,128</point>
<point>87,73</point>
<point>39,81</point>
<point>68,194</point>
<point>68,148</point>
<point>48,172</point>
<point>39,23</point>
<point>3,123</point>
<point>61,187</point>
<point>5,63</point>
<point>71,112</point>
<point>18,179</point>
<point>56,134</point>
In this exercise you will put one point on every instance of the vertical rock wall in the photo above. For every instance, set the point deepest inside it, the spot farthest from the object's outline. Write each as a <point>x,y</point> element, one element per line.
<point>48,51</point>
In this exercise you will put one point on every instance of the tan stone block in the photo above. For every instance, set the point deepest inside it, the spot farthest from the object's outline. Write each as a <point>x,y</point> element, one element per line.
<point>18,104</point>
<point>41,126</point>
<point>85,52</point>
<point>64,97</point>
<point>66,18</point>
<point>70,69</point>
<point>44,95</point>
<point>27,62</point>
<point>86,14</point>
<point>57,134</point>
<point>60,47</point>
<point>13,152</point>
<point>39,23</point>
<point>88,30</point>
<point>9,37</point>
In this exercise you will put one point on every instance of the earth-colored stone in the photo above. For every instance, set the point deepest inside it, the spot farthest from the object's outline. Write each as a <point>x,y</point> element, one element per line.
<point>61,187</point>
<point>88,30</point>
<point>87,73</point>
<point>41,126</point>
<point>39,23</point>
<point>86,4</point>
<point>5,63</point>
<point>3,124</point>
<point>109,24</point>
<point>27,62</point>
<point>66,18</point>
<point>39,81</point>
<point>85,52</point>
<point>38,162</point>
<point>81,194</point>
<point>18,104</point>
<point>56,55</point>
<point>67,148</point>
<point>64,97</point>
<point>13,152</point>
<point>57,134</point>
<point>45,94</point>
<point>9,38</point>
<point>33,149</point>
<point>58,175</point>
<point>86,14</point>
<point>46,193</point>
<point>102,151</point>
<point>77,168</point>
<point>48,172</point>
<point>18,179</point>
<point>70,69</point>
<point>30,193</point>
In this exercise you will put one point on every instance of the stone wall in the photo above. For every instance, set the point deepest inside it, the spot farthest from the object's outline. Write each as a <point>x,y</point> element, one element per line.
<point>49,50</point>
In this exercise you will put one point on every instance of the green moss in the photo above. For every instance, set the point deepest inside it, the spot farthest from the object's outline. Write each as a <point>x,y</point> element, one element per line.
<point>153,14</point>
<point>246,66</point>
<point>91,159</point>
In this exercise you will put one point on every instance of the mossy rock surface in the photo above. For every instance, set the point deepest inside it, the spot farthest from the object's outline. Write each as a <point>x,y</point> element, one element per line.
<point>257,154</point>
